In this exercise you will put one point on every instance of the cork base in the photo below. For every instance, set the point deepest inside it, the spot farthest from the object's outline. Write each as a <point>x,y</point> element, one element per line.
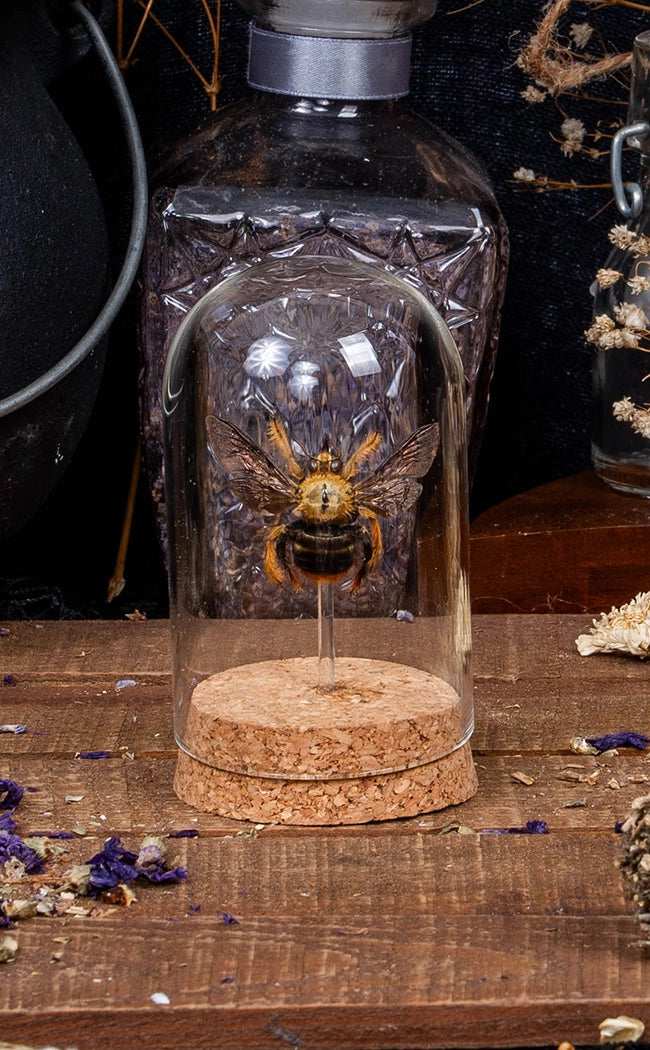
<point>271,719</point>
<point>356,800</point>
<point>265,743</point>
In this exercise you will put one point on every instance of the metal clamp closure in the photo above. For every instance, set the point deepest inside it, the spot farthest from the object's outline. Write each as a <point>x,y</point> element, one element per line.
<point>628,197</point>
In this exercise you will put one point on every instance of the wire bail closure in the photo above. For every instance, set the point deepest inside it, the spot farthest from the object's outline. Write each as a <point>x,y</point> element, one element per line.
<point>628,196</point>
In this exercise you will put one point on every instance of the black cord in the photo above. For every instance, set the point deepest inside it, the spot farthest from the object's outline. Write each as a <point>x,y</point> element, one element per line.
<point>113,304</point>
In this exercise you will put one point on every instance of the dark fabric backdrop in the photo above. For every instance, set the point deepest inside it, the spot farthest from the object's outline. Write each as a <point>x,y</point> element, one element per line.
<point>464,80</point>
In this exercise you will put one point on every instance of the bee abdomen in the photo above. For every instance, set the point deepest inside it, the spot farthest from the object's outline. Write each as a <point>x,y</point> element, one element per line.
<point>324,551</point>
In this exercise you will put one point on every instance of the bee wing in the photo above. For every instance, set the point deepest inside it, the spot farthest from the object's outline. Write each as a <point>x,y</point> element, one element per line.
<point>393,488</point>
<point>254,478</point>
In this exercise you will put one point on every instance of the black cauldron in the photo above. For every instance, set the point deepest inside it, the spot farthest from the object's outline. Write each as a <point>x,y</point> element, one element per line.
<point>53,262</point>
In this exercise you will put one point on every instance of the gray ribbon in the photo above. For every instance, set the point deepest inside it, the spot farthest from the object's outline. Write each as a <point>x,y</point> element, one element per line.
<point>329,67</point>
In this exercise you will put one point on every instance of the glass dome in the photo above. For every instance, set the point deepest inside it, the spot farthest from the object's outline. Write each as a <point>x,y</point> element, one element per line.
<point>317,513</point>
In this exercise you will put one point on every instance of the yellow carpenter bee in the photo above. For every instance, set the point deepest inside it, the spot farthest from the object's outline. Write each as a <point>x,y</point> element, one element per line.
<point>334,512</point>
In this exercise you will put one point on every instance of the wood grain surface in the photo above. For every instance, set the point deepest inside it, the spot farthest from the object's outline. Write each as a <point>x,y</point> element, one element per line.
<point>570,546</point>
<point>421,934</point>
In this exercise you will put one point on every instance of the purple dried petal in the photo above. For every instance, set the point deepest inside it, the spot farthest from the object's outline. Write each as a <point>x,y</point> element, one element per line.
<point>13,729</point>
<point>93,754</point>
<point>52,834</point>
<point>613,740</point>
<point>12,792</point>
<point>111,865</point>
<point>13,846</point>
<point>7,822</point>
<point>532,827</point>
<point>9,680</point>
<point>227,980</point>
<point>116,864</point>
<point>4,631</point>
<point>229,920</point>
<point>162,875</point>
<point>186,833</point>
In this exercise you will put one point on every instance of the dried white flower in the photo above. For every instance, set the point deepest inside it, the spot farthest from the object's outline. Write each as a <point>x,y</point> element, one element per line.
<point>638,284</point>
<point>621,1029</point>
<point>600,326</point>
<point>622,237</point>
<point>573,133</point>
<point>605,335</point>
<point>524,175</point>
<point>630,316</point>
<point>607,277</point>
<point>624,630</point>
<point>8,948</point>
<point>581,33</point>
<point>533,94</point>
<point>638,416</point>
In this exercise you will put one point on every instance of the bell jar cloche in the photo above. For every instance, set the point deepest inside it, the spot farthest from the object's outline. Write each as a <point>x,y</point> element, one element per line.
<point>316,472</point>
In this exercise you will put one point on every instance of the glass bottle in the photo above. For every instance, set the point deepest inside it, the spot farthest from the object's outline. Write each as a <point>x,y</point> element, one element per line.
<point>621,373</point>
<point>325,158</point>
<point>318,536</point>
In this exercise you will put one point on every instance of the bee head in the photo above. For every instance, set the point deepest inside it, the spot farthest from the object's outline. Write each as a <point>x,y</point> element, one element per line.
<point>327,460</point>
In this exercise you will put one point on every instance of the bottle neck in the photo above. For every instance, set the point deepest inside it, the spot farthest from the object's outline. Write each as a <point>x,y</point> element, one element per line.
<point>329,67</point>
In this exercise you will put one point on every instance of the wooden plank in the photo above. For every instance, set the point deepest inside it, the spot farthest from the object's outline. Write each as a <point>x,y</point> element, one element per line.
<point>312,877</point>
<point>415,981</point>
<point>86,652</point>
<point>138,794</point>
<point>527,713</point>
<point>568,546</point>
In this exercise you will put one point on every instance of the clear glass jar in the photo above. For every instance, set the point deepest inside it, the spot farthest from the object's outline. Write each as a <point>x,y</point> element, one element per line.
<point>316,472</point>
<point>621,323</point>
<point>325,158</point>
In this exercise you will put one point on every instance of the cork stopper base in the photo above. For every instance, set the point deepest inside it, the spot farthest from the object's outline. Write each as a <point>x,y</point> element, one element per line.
<point>274,748</point>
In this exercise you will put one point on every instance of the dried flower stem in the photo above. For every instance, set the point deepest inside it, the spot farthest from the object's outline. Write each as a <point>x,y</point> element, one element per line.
<point>554,65</point>
<point>212,84</point>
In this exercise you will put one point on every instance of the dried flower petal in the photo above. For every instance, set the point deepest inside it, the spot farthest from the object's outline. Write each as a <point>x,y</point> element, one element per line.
<point>613,740</point>
<point>638,416</point>
<point>229,920</point>
<point>607,277</point>
<point>125,683</point>
<point>8,948</point>
<point>581,33</point>
<point>638,284</point>
<point>13,728</point>
<point>630,316</point>
<point>622,237</point>
<point>93,754</point>
<point>532,827</point>
<point>621,1029</point>
<point>115,864</point>
<point>624,630</point>
<point>581,746</point>
<point>12,792</point>
<point>573,133</point>
<point>533,94</point>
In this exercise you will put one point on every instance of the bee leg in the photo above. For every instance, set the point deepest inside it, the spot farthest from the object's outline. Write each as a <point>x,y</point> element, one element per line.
<point>372,549</point>
<point>276,565</point>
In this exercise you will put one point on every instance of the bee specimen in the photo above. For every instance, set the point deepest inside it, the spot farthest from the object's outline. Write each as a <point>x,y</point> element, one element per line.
<point>334,507</point>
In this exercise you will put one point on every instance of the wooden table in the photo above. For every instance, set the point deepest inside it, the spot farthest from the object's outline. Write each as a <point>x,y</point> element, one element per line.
<point>570,546</point>
<point>419,934</point>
